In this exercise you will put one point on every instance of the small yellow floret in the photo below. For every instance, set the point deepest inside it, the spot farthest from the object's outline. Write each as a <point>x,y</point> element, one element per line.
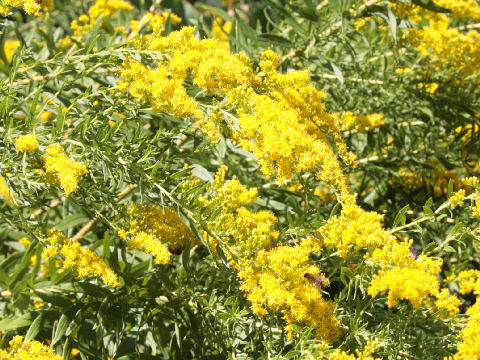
<point>457,198</point>
<point>26,143</point>
<point>45,116</point>
<point>431,88</point>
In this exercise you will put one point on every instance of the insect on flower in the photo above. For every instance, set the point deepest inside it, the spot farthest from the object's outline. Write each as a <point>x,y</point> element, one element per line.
<point>319,281</point>
<point>413,252</point>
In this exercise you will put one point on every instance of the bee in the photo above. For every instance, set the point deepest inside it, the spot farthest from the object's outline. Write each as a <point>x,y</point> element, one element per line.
<point>320,282</point>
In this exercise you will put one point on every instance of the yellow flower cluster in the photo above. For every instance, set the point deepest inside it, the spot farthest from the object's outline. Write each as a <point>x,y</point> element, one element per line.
<point>244,232</point>
<point>27,350</point>
<point>76,257</point>
<point>353,229</point>
<point>361,22</point>
<point>45,116</point>
<point>474,182</point>
<point>31,7</point>
<point>469,282</point>
<point>476,207</point>
<point>227,194</point>
<point>441,40</point>
<point>469,348</point>
<point>163,86</point>
<point>430,88</point>
<point>156,22</point>
<point>399,270</point>
<point>26,143</point>
<point>276,280</point>
<point>457,198</point>
<point>282,126</point>
<point>449,302</point>
<point>4,190</point>
<point>349,121</point>
<point>101,7</point>
<point>154,230</point>
<point>469,132</point>
<point>66,172</point>
<point>280,118</point>
<point>148,243</point>
<point>366,354</point>
<point>400,274</point>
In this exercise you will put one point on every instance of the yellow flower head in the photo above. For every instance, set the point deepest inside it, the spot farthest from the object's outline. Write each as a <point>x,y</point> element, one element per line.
<point>354,229</point>
<point>66,172</point>
<point>4,190</point>
<point>449,302</point>
<point>457,198</point>
<point>162,225</point>
<point>9,48</point>
<point>26,143</point>
<point>276,280</point>
<point>28,350</point>
<point>107,8</point>
<point>75,256</point>
<point>31,7</point>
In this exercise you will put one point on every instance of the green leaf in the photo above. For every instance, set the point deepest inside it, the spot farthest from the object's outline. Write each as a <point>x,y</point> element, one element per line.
<point>401,218</point>
<point>222,256</point>
<point>427,208</point>
<point>93,35</point>
<point>276,39</point>
<point>430,5</point>
<point>309,13</point>
<point>449,249</point>
<point>31,118</point>
<point>34,328</point>
<point>215,10</point>
<point>186,256</point>
<point>54,298</point>
<point>335,210</point>
<point>71,221</point>
<point>60,120</point>
<point>91,289</point>
<point>450,187</point>
<point>202,173</point>
<point>392,21</point>
<point>59,329</point>
<point>338,72</point>
<point>13,323</point>
<point>24,265</point>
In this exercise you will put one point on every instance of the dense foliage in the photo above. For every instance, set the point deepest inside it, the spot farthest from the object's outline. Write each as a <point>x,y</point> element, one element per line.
<point>275,179</point>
